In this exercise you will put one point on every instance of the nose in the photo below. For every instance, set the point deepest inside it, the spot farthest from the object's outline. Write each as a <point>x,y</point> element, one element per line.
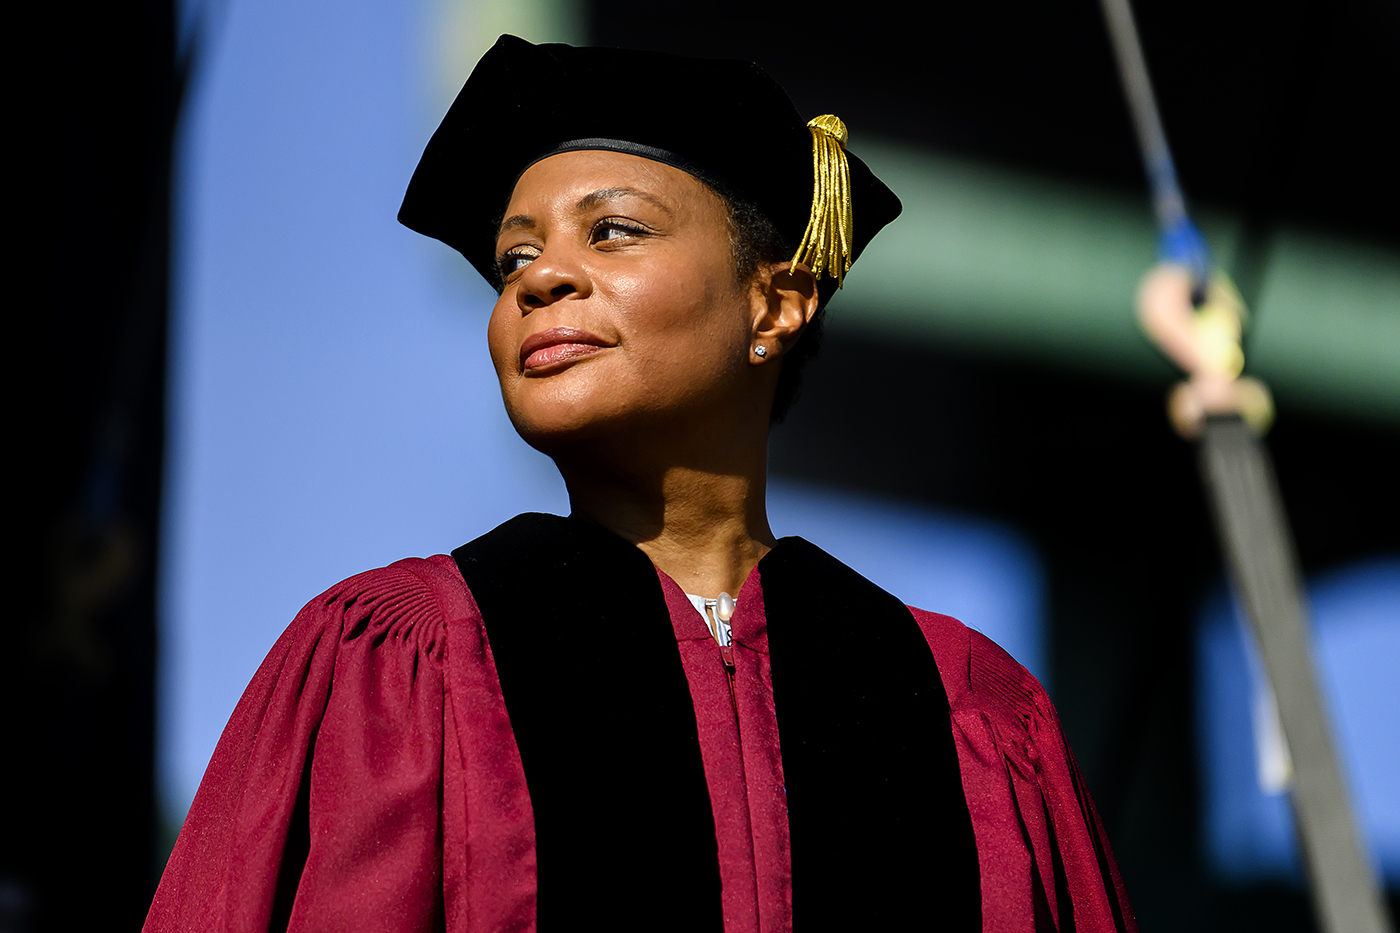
<point>553,276</point>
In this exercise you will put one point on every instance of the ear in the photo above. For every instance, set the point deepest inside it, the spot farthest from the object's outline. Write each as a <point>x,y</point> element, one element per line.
<point>784,300</point>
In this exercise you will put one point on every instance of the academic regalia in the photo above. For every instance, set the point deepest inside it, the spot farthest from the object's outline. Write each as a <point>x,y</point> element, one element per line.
<point>726,122</point>
<point>541,731</point>
<point>564,739</point>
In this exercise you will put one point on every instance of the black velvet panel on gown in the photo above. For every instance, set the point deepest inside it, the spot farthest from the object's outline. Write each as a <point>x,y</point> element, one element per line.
<point>602,714</point>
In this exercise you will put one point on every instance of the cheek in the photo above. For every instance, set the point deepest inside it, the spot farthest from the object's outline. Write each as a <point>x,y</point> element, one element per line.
<point>684,318</point>
<point>501,339</point>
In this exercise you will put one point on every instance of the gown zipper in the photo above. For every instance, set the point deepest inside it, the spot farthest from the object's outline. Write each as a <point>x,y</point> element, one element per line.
<point>726,654</point>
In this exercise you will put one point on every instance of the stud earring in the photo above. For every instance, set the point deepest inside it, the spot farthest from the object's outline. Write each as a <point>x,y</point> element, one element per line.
<point>760,351</point>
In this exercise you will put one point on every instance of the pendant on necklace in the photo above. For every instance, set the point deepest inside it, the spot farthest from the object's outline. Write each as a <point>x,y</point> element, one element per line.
<point>724,607</point>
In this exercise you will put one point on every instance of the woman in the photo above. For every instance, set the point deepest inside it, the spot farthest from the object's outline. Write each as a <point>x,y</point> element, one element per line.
<point>571,721</point>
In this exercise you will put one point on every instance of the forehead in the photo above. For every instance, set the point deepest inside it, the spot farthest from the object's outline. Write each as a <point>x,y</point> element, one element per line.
<point>568,177</point>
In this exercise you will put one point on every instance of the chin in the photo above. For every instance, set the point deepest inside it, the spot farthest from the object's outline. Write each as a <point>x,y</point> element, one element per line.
<point>557,425</point>
<point>589,427</point>
<point>553,438</point>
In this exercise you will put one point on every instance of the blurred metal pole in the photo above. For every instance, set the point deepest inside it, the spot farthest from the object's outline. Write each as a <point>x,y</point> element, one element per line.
<point>1167,199</point>
<point>1180,241</point>
<point>1254,535</point>
<point>1263,567</point>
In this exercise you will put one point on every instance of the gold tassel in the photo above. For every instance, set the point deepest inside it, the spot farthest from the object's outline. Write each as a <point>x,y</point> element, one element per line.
<point>826,246</point>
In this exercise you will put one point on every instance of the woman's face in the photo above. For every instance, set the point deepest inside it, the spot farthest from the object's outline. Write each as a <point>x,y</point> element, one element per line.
<point>620,310</point>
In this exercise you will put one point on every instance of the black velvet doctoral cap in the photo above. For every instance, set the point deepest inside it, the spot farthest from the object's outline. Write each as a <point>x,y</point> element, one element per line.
<point>724,121</point>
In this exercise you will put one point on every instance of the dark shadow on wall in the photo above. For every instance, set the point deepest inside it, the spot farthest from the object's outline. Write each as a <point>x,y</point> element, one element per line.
<point>96,105</point>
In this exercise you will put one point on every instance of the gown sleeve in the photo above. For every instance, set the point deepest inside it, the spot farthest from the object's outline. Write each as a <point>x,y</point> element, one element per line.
<point>1045,860</point>
<point>320,809</point>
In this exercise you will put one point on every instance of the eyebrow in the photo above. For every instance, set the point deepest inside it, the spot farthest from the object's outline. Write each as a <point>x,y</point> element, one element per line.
<point>515,220</point>
<point>587,203</point>
<point>593,199</point>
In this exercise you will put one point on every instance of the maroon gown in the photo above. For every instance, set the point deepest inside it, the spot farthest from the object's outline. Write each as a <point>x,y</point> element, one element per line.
<point>369,778</point>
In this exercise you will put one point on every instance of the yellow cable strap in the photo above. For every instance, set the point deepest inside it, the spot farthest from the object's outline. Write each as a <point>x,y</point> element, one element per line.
<point>1218,325</point>
<point>826,246</point>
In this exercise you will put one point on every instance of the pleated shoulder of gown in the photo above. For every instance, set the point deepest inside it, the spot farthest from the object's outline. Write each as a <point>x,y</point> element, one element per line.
<point>1044,856</point>
<point>320,807</point>
<point>978,673</point>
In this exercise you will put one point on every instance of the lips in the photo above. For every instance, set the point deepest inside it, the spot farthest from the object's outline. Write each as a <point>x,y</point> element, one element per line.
<point>556,347</point>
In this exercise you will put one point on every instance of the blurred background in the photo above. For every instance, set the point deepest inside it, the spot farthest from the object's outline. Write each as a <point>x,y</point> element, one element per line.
<point>250,382</point>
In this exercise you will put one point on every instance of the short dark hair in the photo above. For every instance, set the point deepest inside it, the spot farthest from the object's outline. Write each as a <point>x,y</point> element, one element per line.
<point>755,240</point>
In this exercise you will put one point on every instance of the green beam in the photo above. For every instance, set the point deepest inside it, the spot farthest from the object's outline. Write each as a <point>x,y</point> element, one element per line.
<point>1011,263</point>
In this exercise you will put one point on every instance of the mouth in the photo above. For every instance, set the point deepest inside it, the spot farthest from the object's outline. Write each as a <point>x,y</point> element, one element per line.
<point>557,347</point>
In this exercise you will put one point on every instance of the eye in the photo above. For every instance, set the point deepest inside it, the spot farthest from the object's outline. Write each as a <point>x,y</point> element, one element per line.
<point>612,231</point>
<point>512,261</point>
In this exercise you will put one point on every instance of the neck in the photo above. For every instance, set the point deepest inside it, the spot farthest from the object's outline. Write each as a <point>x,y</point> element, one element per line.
<point>704,523</point>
